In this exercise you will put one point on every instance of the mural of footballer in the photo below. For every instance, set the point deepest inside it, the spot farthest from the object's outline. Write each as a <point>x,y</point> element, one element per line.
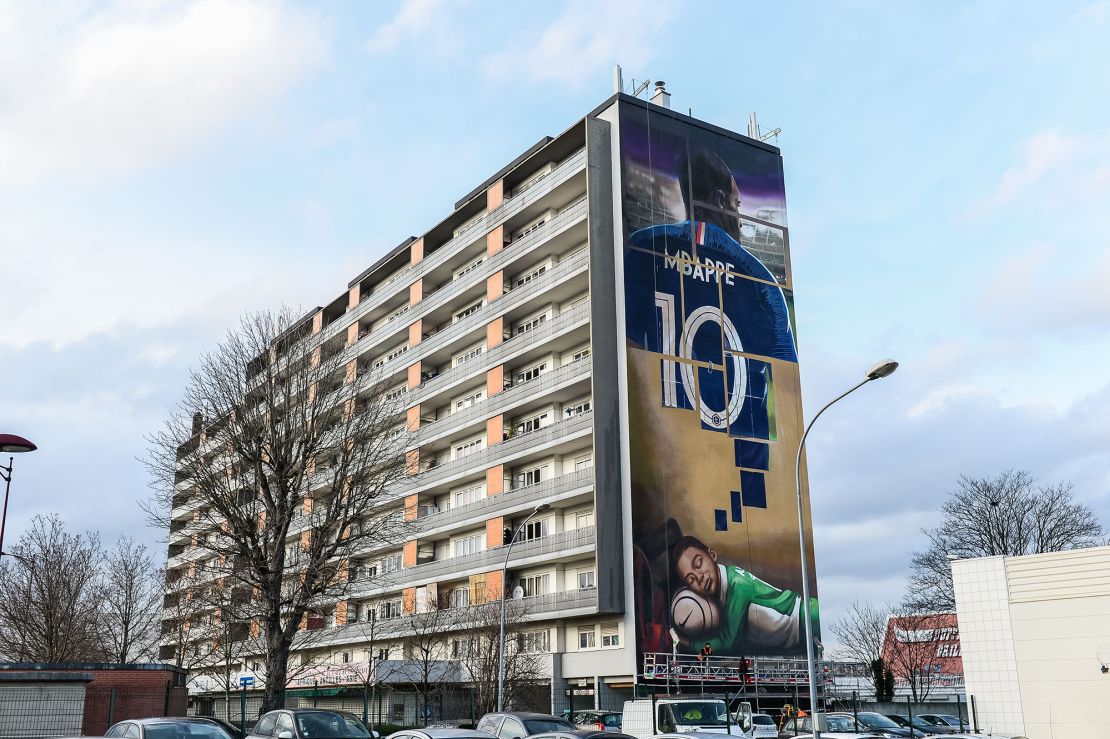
<point>731,609</point>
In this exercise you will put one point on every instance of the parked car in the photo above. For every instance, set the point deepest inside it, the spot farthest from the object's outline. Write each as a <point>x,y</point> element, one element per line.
<point>877,723</point>
<point>918,723</point>
<point>309,723</point>
<point>946,722</point>
<point>167,728</point>
<point>448,732</point>
<point>681,715</point>
<point>230,728</point>
<point>519,724</point>
<point>836,727</point>
<point>599,720</point>
<point>591,734</point>
<point>763,726</point>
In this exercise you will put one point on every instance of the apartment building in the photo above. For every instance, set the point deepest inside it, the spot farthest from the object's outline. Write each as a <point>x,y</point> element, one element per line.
<point>501,329</point>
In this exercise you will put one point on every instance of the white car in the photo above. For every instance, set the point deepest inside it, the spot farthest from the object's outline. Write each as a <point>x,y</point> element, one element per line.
<point>764,726</point>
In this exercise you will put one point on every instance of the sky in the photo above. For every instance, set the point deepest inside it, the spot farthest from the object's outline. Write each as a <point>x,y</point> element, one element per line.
<point>165,167</point>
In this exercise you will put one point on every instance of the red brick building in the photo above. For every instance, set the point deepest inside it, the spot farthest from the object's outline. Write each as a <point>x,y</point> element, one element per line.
<point>938,633</point>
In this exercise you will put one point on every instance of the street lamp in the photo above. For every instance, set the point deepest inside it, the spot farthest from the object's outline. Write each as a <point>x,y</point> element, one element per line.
<point>878,371</point>
<point>504,577</point>
<point>11,444</point>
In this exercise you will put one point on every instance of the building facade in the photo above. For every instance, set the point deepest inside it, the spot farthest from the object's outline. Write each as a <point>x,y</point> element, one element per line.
<point>1035,634</point>
<point>518,334</point>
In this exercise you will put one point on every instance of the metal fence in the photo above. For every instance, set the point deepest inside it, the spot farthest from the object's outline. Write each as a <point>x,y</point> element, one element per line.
<point>49,710</point>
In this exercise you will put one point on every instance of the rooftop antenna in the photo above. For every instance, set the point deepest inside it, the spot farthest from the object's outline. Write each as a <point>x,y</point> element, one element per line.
<point>618,79</point>
<point>754,131</point>
<point>639,88</point>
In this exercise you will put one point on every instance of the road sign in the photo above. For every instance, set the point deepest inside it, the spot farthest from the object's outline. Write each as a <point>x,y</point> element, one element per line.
<point>246,681</point>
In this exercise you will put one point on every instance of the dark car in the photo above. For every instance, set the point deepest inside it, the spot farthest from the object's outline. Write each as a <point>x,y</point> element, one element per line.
<point>309,723</point>
<point>168,728</point>
<point>918,723</point>
<point>230,728</point>
<point>945,722</point>
<point>600,720</point>
<point>877,723</point>
<point>519,724</point>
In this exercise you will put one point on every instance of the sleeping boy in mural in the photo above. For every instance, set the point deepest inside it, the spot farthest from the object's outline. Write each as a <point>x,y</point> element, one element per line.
<point>731,609</point>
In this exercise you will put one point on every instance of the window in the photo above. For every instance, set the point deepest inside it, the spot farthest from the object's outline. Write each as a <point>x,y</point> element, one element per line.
<point>467,545</point>
<point>389,609</point>
<point>535,530</point>
<point>265,726</point>
<point>461,648</point>
<point>468,496</point>
<point>529,324</point>
<point>398,313</point>
<point>391,563</point>
<point>530,275</point>
<point>530,228</point>
<point>530,374</point>
<point>395,353</point>
<point>468,355</point>
<point>610,635</point>
<point>577,409</point>
<point>284,723</point>
<point>511,729</point>
<point>470,267</point>
<point>535,585</point>
<point>586,637</point>
<point>532,642</point>
<point>460,597</point>
<point>469,447</point>
<point>534,423</point>
<point>469,400</point>
<point>585,579</point>
<point>531,477</point>
<point>583,463</point>
<point>468,310</point>
<point>580,354</point>
<point>346,658</point>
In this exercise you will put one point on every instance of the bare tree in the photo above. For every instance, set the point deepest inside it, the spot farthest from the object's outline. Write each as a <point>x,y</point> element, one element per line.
<point>525,654</point>
<point>910,649</point>
<point>51,595</point>
<point>132,603</point>
<point>429,654</point>
<point>1005,515</point>
<point>285,472</point>
<point>861,634</point>
<point>186,642</point>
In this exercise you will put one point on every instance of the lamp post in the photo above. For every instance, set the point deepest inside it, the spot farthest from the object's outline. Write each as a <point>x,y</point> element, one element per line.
<point>11,444</point>
<point>883,369</point>
<point>504,577</point>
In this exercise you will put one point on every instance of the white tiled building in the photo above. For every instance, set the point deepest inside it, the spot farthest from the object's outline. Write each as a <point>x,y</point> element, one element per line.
<point>1035,633</point>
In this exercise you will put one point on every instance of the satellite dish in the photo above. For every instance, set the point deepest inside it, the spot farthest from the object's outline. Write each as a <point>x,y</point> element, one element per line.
<point>518,593</point>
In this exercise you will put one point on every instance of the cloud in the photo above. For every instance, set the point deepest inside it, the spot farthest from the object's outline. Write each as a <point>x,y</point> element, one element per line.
<point>586,38</point>
<point>1044,152</point>
<point>130,85</point>
<point>415,19</point>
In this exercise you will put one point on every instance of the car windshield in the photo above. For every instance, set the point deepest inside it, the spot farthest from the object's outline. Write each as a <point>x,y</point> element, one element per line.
<point>953,720</point>
<point>763,720</point>
<point>702,713</point>
<point>329,725</point>
<point>876,721</point>
<point>183,729</point>
<point>840,723</point>
<point>540,725</point>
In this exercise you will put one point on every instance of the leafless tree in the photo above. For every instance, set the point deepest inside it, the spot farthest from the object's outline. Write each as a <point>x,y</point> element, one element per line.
<point>132,604</point>
<point>1010,514</point>
<point>910,649</point>
<point>525,653</point>
<point>51,595</point>
<point>429,655</point>
<point>861,633</point>
<point>285,472</point>
<point>186,640</point>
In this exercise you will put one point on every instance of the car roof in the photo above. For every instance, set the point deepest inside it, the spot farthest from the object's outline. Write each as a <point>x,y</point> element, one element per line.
<point>166,720</point>
<point>523,714</point>
<point>447,733</point>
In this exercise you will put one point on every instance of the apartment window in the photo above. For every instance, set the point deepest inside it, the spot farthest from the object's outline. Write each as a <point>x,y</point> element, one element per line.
<point>467,545</point>
<point>529,324</point>
<point>461,648</point>
<point>587,639</point>
<point>470,267</point>
<point>391,563</point>
<point>586,580</point>
<point>580,354</point>
<point>531,477</point>
<point>468,355</point>
<point>610,635</point>
<point>530,275</point>
<point>395,393</point>
<point>460,597</point>
<point>577,409</point>
<point>398,313</point>
<point>469,400</point>
<point>583,463</point>
<point>468,496</point>
<point>532,642</point>
<point>535,585</point>
<point>530,228</point>
<point>468,310</point>
<point>535,530</point>
<point>469,447</point>
<point>583,519</point>
<point>531,373</point>
<point>396,352</point>
<point>389,610</point>
<point>346,658</point>
<point>383,654</point>
<point>535,423</point>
